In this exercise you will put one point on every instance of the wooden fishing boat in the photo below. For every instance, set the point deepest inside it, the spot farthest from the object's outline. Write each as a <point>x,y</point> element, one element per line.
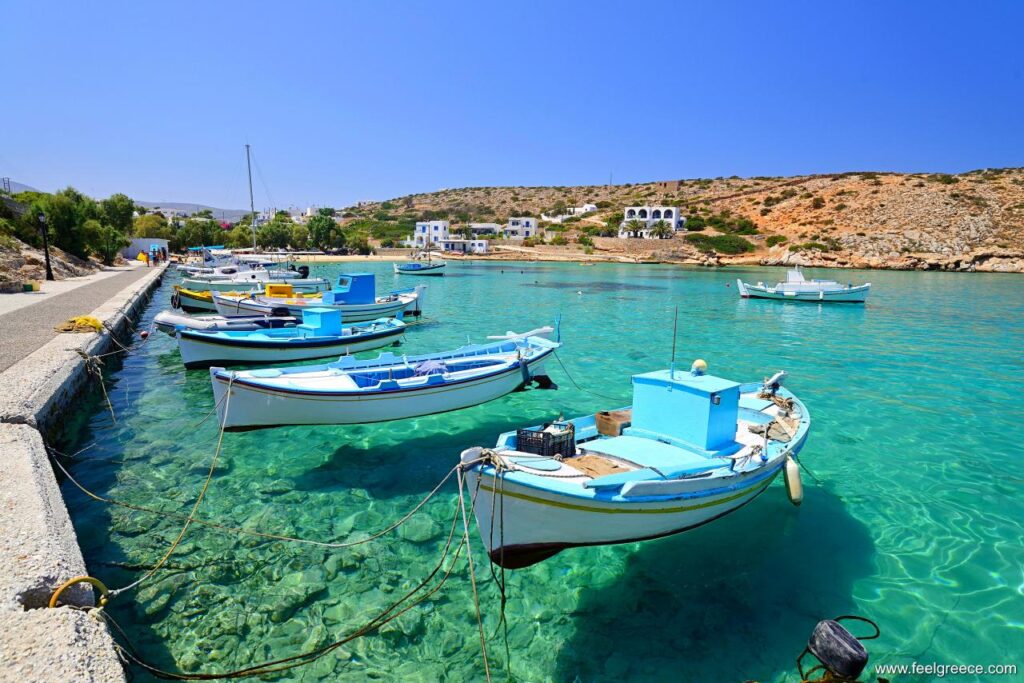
<point>354,295</point>
<point>692,448</point>
<point>170,322</point>
<point>257,279</point>
<point>796,288</point>
<point>388,387</point>
<point>320,335</point>
<point>431,267</point>
<point>192,301</point>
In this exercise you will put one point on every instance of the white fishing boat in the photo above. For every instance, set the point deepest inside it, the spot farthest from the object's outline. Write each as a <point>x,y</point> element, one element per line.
<point>797,288</point>
<point>692,448</point>
<point>320,335</point>
<point>389,387</point>
<point>354,295</point>
<point>170,322</point>
<point>416,267</point>
<point>257,278</point>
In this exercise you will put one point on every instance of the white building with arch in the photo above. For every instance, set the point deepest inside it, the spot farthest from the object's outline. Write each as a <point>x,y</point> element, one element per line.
<point>637,221</point>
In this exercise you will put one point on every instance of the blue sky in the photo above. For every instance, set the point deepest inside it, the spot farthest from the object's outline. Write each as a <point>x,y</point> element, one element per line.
<point>345,101</point>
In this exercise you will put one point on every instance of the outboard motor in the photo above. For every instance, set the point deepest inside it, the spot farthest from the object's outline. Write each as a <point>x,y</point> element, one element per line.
<point>304,272</point>
<point>280,311</point>
<point>839,651</point>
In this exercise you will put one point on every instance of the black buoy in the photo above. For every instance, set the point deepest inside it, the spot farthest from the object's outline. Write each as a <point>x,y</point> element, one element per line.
<point>304,272</point>
<point>839,651</point>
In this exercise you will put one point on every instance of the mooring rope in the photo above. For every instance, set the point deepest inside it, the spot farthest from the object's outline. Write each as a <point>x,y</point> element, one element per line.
<point>293,661</point>
<point>576,384</point>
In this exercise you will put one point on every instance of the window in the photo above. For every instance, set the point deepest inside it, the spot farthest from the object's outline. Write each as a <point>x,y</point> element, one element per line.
<point>656,213</point>
<point>643,213</point>
<point>631,214</point>
<point>668,213</point>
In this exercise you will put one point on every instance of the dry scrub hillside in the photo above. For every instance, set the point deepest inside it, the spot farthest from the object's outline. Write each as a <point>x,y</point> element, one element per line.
<point>970,221</point>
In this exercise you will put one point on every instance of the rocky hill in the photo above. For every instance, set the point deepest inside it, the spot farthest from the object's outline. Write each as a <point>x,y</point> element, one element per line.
<point>969,221</point>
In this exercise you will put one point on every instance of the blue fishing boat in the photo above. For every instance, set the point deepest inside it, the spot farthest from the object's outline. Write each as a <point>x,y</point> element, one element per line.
<point>692,448</point>
<point>388,387</point>
<point>320,335</point>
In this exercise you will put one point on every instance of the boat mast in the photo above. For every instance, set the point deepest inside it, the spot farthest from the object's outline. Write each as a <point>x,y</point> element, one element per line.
<point>252,206</point>
<point>672,365</point>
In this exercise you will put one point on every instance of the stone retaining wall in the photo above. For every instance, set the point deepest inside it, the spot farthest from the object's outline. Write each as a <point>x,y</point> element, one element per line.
<point>38,546</point>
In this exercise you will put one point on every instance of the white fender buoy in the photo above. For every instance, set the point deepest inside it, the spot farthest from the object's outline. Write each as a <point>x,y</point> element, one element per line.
<point>794,487</point>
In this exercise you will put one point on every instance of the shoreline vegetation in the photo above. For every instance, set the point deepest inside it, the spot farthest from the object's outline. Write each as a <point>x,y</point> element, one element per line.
<point>965,222</point>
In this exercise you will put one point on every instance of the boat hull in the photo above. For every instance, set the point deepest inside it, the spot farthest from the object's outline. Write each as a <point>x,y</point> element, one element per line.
<point>193,302</point>
<point>530,525</point>
<point>169,322</point>
<point>850,295</point>
<point>253,406</point>
<point>427,271</point>
<point>304,286</point>
<point>199,350</point>
<point>349,313</point>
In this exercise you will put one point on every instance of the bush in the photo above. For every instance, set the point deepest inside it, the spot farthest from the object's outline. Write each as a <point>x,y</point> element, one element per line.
<point>559,241</point>
<point>722,244</point>
<point>811,246</point>
<point>775,239</point>
<point>817,203</point>
<point>585,240</point>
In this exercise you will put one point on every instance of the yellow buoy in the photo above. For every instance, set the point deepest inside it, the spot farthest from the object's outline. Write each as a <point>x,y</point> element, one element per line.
<point>794,487</point>
<point>699,367</point>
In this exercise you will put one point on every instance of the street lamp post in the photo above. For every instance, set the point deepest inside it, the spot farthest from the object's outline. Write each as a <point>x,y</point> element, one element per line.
<point>46,244</point>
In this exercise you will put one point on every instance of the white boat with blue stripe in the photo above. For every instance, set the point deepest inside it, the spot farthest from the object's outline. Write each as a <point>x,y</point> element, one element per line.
<point>354,295</point>
<point>389,387</point>
<point>693,447</point>
<point>797,288</point>
<point>320,335</point>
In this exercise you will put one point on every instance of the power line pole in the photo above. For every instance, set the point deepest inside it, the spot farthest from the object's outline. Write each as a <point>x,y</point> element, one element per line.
<point>252,204</point>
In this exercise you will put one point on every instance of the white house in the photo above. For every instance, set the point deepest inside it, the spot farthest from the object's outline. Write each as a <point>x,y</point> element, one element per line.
<point>520,228</point>
<point>570,212</point>
<point>484,228</point>
<point>465,246</point>
<point>647,217</point>
<point>428,232</point>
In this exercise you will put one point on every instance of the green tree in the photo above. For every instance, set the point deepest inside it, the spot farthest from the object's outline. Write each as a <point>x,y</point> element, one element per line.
<point>558,209</point>
<point>661,230</point>
<point>636,226</point>
<point>324,232</point>
<point>300,237</point>
<point>240,236</point>
<point>117,212</point>
<point>203,213</point>
<point>274,234</point>
<point>152,225</point>
<point>199,232</point>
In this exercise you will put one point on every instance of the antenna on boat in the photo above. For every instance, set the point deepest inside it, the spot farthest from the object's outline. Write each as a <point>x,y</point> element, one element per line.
<point>672,365</point>
<point>558,328</point>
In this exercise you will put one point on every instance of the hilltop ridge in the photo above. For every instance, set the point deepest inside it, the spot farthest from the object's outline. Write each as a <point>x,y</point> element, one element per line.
<point>869,219</point>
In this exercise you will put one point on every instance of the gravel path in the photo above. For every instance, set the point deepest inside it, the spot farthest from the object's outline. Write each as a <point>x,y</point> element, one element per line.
<point>26,329</point>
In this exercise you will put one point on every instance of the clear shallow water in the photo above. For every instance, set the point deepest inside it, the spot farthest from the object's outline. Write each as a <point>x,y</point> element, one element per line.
<point>918,522</point>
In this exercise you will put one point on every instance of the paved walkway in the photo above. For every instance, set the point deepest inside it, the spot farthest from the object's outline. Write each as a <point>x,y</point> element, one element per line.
<point>29,326</point>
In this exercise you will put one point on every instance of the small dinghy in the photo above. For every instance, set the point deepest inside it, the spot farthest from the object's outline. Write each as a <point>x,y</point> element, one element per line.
<point>388,387</point>
<point>321,335</point>
<point>692,448</point>
<point>170,322</point>
<point>796,288</point>
<point>419,268</point>
<point>191,301</point>
<point>354,295</point>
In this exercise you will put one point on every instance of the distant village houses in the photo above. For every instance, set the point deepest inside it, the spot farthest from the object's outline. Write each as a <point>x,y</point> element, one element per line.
<point>520,228</point>
<point>572,211</point>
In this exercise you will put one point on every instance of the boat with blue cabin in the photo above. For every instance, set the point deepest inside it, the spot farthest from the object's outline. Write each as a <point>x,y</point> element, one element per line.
<point>354,295</point>
<point>797,288</point>
<point>389,387</point>
<point>320,335</point>
<point>691,448</point>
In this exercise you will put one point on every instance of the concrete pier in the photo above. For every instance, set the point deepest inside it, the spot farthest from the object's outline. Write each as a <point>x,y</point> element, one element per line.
<point>38,546</point>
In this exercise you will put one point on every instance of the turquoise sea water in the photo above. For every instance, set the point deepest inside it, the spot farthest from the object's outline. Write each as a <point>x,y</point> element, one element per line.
<point>918,522</point>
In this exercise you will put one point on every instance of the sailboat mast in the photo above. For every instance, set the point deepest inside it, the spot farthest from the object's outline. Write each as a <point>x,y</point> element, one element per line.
<point>252,204</point>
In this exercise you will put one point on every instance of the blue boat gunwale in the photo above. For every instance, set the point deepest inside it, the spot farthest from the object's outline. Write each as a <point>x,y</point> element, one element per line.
<point>556,487</point>
<point>295,342</point>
